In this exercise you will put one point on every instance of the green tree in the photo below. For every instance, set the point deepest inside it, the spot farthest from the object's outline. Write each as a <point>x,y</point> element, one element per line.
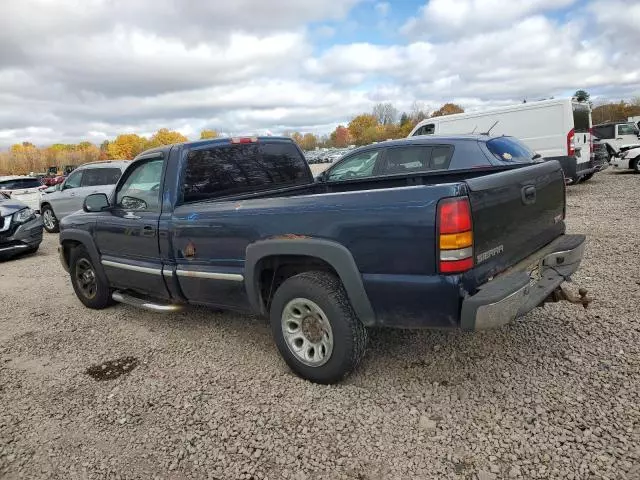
<point>582,96</point>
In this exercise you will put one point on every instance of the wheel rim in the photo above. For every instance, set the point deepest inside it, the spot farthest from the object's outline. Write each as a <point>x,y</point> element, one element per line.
<point>47,218</point>
<point>307,332</point>
<point>86,278</point>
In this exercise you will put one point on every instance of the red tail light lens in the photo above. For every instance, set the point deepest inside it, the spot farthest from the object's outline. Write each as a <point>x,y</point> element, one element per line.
<point>455,216</point>
<point>455,235</point>
<point>571,142</point>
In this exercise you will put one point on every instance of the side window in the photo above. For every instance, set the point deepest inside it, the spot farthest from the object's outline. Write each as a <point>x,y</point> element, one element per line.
<point>426,130</point>
<point>232,169</point>
<point>74,180</point>
<point>359,166</point>
<point>94,177</point>
<point>441,157</point>
<point>627,129</point>
<point>414,158</point>
<point>6,185</point>
<point>141,188</point>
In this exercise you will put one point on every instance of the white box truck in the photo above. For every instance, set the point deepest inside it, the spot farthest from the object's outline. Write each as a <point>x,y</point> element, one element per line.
<point>556,129</point>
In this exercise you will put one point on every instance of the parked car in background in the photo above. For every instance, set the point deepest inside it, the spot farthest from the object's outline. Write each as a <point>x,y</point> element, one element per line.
<point>240,224</point>
<point>628,159</point>
<point>617,136</point>
<point>558,129</point>
<point>23,188</point>
<point>429,153</point>
<point>20,227</point>
<point>67,197</point>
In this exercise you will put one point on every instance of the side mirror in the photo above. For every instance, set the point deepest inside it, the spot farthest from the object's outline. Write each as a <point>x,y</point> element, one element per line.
<point>96,202</point>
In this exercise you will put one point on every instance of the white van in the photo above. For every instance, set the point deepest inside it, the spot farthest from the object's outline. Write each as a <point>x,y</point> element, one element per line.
<point>557,128</point>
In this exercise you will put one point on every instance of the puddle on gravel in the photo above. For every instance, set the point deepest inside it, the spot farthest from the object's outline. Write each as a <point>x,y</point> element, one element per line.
<point>112,369</point>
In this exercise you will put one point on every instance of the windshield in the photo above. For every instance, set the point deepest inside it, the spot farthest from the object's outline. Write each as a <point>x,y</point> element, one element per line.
<point>510,150</point>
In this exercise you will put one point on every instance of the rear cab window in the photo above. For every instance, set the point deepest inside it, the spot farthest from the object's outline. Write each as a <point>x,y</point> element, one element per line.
<point>221,170</point>
<point>510,150</point>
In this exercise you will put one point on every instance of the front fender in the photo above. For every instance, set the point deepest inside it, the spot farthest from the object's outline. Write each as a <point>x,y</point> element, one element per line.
<point>74,237</point>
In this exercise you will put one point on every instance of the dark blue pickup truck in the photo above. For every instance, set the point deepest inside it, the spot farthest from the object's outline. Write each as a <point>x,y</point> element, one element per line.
<point>241,224</point>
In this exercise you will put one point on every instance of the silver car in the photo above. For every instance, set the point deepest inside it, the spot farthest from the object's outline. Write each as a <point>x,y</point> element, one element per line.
<point>95,177</point>
<point>20,227</point>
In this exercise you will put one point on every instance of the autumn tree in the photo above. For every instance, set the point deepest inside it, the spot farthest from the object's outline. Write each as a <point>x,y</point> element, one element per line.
<point>309,141</point>
<point>296,137</point>
<point>362,127</point>
<point>164,136</point>
<point>126,146</point>
<point>341,137</point>
<point>206,134</point>
<point>385,113</point>
<point>448,109</point>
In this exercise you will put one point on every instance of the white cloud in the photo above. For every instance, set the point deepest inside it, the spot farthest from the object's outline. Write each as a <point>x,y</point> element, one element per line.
<point>72,71</point>
<point>382,8</point>
<point>454,17</point>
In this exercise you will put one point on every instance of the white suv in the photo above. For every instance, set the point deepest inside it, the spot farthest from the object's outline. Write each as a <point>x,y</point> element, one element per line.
<point>617,136</point>
<point>95,177</point>
<point>25,189</point>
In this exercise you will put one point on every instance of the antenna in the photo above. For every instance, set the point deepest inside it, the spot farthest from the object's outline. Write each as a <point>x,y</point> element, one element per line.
<point>491,128</point>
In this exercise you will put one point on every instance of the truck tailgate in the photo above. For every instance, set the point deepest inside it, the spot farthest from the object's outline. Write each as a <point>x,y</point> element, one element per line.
<point>515,213</point>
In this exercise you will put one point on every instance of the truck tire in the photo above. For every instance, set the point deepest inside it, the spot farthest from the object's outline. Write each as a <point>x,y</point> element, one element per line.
<point>49,219</point>
<point>89,288</point>
<point>315,328</point>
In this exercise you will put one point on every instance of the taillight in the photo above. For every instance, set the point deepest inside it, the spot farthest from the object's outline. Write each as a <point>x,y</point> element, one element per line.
<point>571,142</point>
<point>244,140</point>
<point>455,235</point>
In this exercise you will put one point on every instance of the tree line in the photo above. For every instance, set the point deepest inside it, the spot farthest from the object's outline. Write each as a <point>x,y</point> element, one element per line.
<point>25,157</point>
<point>384,122</point>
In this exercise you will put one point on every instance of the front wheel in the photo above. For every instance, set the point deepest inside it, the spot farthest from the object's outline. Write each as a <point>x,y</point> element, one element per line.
<point>636,165</point>
<point>90,289</point>
<point>315,328</point>
<point>49,220</point>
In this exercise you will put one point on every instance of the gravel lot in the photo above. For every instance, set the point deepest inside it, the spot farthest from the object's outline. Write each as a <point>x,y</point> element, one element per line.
<point>556,395</point>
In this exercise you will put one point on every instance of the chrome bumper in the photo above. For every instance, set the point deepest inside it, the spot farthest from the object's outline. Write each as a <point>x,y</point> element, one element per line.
<point>525,286</point>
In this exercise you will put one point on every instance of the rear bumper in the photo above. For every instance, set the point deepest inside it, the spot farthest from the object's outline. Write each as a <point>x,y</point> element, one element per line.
<point>26,237</point>
<point>525,286</point>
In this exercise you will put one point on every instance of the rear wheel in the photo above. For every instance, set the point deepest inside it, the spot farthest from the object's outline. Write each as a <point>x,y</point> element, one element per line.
<point>49,220</point>
<point>588,177</point>
<point>89,288</point>
<point>636,165</point>
<point>315,328</point>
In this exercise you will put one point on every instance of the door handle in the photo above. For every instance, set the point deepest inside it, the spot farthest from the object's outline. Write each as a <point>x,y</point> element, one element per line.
<point>619,138</point>
<point>72,194</point>
<point>528,195</point>
<point>131,216</point>
<point>148,231</point>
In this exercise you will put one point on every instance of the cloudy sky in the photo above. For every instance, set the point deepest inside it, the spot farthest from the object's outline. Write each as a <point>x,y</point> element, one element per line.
<point>75,70</point>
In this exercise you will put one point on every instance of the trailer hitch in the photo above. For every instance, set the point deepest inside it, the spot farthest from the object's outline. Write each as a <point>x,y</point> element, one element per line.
<point>562,293</point>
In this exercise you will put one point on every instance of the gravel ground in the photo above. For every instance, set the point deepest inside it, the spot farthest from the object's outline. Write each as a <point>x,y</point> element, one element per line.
<point>205,395</point>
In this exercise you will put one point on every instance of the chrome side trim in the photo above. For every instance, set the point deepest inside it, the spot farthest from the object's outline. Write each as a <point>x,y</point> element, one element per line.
<point>232,277</point>
<point>133,268</point>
